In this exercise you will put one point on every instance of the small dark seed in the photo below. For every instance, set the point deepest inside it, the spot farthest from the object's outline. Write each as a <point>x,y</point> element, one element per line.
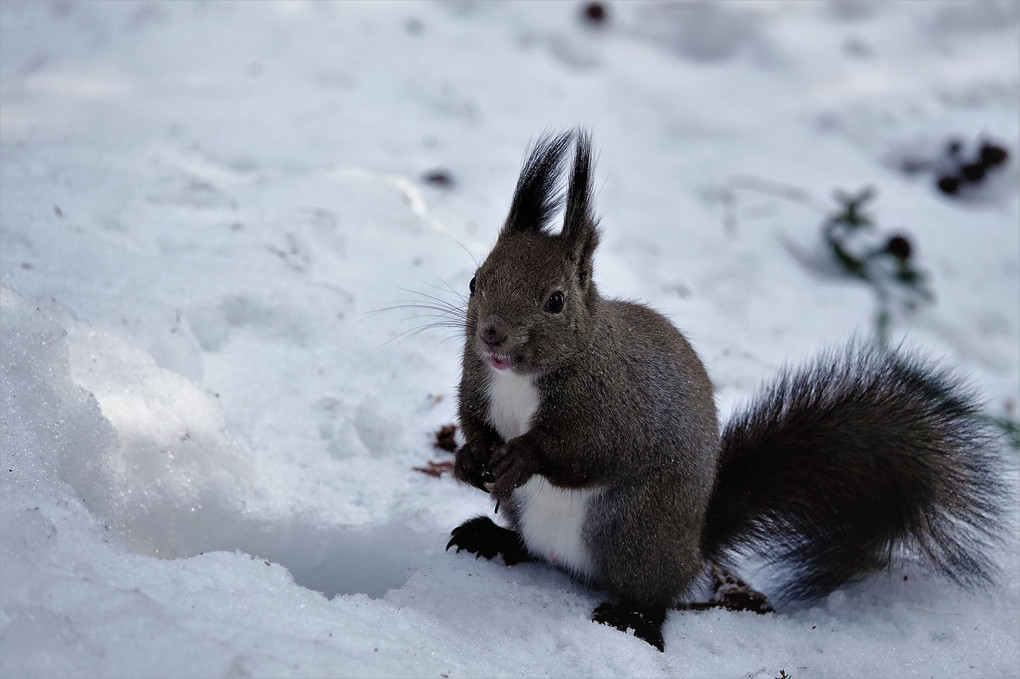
<point>954,147</point>
<point>899,247</point>
<point>948,184</point>
<point>440,178</point>
<point>993,154</point>
<point>595,12</point>
<point>973,172</point>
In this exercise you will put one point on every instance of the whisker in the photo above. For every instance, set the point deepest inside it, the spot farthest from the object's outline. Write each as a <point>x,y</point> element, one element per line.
<point>460,295</point>
<point>462,247</point>
<point>451,333</point>
<point>430,312</point>
<point>447,310</point>
<point>439,300</point>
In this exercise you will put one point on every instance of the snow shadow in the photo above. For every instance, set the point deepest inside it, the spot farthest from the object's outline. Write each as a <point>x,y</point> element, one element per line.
<point>369,560</point>
<point>332,560</point>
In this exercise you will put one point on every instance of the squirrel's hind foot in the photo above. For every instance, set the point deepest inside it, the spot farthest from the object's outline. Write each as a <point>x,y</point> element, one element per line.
<point>646,621</point>
<point>735,594</point>
<point>729,591</point>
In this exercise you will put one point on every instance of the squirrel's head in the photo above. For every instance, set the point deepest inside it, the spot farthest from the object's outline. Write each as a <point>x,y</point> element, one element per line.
<point>533,300</point>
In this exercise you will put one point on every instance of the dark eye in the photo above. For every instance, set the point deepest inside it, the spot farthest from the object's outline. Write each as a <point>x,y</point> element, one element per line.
<point>554,304</point>
<point>471,285</point>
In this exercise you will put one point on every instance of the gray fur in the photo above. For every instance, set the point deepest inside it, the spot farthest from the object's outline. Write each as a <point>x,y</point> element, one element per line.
<point>624,401</point>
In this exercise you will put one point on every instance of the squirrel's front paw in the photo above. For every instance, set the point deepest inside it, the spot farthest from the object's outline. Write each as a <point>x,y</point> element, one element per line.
<point>512,464</point>
<point>471,465</point>
<point>481,537</point>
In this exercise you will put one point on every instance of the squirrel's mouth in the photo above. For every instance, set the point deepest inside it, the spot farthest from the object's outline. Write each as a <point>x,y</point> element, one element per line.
<point>501,358</point>
<point>500,361</point>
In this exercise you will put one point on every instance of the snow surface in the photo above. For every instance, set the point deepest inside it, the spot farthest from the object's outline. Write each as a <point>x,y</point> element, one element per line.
<point>210,429</point>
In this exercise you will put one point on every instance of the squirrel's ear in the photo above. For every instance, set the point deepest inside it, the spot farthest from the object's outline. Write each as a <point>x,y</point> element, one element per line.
<point>580,225</point>
<point>536,198</point>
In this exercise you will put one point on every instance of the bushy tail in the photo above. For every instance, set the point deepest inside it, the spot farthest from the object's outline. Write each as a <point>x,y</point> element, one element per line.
<point>841,463</point>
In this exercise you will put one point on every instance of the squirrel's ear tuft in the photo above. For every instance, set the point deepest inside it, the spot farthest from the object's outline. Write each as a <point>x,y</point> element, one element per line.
<point>580,225</point>
<point>536,199</point>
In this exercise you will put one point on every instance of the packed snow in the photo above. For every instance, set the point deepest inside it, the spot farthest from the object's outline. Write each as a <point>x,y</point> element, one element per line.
<point>216,219</point>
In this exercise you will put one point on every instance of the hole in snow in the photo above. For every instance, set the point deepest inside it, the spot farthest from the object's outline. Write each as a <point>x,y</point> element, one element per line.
<point>368,560</point>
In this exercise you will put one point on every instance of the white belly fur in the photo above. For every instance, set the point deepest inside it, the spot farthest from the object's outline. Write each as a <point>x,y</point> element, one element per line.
<point>551,519</point>
<point>552,524</point>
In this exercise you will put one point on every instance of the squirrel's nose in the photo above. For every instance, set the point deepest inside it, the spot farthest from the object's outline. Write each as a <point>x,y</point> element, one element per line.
<point>492,331</point>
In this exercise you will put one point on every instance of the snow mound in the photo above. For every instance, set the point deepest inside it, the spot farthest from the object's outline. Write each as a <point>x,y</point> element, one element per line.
<point>147,451</point>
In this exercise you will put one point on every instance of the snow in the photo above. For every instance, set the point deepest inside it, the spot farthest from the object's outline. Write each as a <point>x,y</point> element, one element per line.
<point>210,425</point>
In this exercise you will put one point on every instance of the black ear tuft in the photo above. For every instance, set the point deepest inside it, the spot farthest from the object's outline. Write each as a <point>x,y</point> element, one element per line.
<point>536,199</point>
<point>580,226</point>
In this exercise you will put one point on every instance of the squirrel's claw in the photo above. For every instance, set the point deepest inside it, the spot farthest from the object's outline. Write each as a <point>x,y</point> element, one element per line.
<point>511,465</point>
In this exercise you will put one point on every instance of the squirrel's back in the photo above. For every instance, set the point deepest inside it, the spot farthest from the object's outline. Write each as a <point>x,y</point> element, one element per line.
<point>672,396</point>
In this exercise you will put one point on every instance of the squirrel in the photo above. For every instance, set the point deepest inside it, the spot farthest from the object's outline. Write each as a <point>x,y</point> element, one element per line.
<point>591,422</point>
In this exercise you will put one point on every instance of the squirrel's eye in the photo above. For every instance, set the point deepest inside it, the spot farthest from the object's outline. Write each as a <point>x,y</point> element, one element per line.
<point>554,304</point>
<point>471,285</point>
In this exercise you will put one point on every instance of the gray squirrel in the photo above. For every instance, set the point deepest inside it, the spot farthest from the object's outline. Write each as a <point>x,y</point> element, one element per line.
<point>592,424</point>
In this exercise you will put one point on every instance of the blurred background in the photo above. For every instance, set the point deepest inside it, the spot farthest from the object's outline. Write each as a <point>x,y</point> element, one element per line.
<point>219,221</point>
